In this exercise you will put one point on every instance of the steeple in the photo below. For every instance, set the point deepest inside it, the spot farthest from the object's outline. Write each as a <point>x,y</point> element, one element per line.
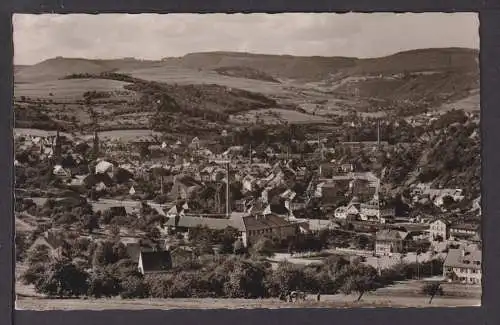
<point>57,146</point>
<point>96,144</point>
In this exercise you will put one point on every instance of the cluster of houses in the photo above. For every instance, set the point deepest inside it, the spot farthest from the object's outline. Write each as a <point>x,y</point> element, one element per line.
<point>270,204</point>
<point>423,193</point>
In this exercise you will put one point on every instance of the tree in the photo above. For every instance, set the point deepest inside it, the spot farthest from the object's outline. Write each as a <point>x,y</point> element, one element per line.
<point>285,278</point>
<point>34,273</point>
<point>360,279</point>
<point>432,289</point>
<point>448,202</point>
<point>114,230</point>
<point>104,254</point>
<point>103,283</point>
<point>63,279</point>
<point>90,222</point>
<point>153,233</point>
<point>246,281</point>
<point>263,247</point>
<point>21,242</point>
<point>238,247</point>
<point>39,254</point>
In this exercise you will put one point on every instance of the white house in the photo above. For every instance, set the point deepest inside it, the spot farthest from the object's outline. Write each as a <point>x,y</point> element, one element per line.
<point>463,266</point>
<point>439,229</point>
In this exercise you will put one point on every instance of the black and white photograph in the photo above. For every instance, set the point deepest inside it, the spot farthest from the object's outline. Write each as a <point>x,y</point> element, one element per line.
<point>228,161</point>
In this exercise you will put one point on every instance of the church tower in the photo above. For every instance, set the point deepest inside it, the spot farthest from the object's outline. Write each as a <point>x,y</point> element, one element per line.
<point>57,147</point>
<point>96,144</point>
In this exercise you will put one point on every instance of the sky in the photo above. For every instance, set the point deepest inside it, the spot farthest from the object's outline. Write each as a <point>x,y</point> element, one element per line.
<point>155,36</point>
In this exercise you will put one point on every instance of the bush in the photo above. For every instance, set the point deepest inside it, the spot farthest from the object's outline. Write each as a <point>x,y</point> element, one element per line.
<point>133,287</point>
<point>263,247</point>
<point>63,279</point>
<point>103,284</point>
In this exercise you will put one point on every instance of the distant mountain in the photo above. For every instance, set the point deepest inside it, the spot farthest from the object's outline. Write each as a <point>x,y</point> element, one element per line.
<point>59,67</point>
<point>317,67</point>
<point>314,68</point>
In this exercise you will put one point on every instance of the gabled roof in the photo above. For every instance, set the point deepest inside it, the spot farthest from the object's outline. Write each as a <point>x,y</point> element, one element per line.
<point>157,261</point>
<point>187,181</point>
<point>390,234</point>
<point>250,222</point>
<point>465,226</point>
<point>193,222</point>
<point>470,258</point>
<point>446,222</point>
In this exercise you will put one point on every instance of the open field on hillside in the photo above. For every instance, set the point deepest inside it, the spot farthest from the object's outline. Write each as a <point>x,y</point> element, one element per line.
<point>37,132</point>
<point>468,104</point>
<point>184,76</point>
<point>67,90</point>
<point>277,116</point>
<point>123,135</point>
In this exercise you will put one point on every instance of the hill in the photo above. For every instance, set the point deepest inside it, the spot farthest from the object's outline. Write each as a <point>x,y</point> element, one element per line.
<point>405,83</point>
<point>245,72</point>
<point>59,67</point>
<point>313,68</point>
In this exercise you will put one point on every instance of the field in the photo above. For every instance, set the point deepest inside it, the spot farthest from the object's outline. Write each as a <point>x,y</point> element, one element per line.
<point>36,132</point>
<point>277,116</point>
<point>327,301</point>
<point>124,135</point>
<point>66,90</point>
<point>184,76</point>
<point>468,104</point>
<point>304,90</point>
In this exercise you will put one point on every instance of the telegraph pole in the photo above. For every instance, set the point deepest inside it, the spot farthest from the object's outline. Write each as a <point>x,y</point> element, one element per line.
<point>227,191</point>
<point>378,133</point>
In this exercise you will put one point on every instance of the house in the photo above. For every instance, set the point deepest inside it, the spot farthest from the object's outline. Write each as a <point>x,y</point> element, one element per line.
<point>362,188</point>
<point>347,168</point>
<point>176,210</point>
<point>184,223</point>
<point>248,183</point>
<point>104,167</point>
<point>77,181</point>
<point>212,174</point>
<point>388,241</point>
<point>464,230</point>
<point>184,187</point>
<point>233,151</point>
<point>375,210</point>
<point>195,143</point>
<point>154,262</point>
<point>61,172</point>
<point>206,174</point>
<point>437,196</point>
<point>253,227</point>
<point>331,193</point>
<point>463,265</point>
<point>352,209</point>
<point>50,240</point>
<point>439,230</point>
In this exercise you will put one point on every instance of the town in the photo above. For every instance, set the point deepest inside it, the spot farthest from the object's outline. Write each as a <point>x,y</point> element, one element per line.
<point>283,212</point>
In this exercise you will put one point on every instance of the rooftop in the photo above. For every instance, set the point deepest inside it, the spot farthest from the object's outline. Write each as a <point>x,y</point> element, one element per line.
<point>464,258</point>
<point>156,261</point>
